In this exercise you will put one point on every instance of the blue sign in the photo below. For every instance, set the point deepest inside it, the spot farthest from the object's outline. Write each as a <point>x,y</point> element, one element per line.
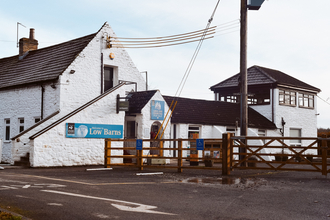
<point>200,144</point>
<point>157,110</point>
<point>77,130</point>
<point>139,144</point>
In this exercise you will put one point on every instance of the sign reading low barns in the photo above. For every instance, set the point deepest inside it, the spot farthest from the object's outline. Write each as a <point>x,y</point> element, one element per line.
<point>77,130</point>
<point>157,110</point>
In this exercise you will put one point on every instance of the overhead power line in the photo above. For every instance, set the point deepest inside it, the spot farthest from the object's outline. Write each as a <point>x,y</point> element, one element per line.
<point>186,74</point>
<point>171,40</point>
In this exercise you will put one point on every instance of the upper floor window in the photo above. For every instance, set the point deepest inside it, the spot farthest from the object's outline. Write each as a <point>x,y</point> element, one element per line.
<point>7,129</point>
<point>108,78</point>
<point>306,100</point>
<point>229,98</point>
<point>20,125</point>
<point>287,97</point>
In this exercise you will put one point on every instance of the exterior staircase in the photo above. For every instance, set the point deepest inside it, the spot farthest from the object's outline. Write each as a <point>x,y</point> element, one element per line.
<point>24,161</point>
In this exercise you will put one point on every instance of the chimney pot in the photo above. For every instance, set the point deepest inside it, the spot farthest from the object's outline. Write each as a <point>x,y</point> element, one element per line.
<point>28,44</point>
<point>31,34</point>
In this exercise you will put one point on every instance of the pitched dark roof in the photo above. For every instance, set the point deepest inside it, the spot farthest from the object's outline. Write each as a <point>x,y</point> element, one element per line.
<point>257,75</point>
<point>41,65</point>
<point>137,100</point>
<point>195,111</point>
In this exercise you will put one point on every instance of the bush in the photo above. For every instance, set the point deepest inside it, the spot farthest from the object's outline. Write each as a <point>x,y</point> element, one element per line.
<point>8,216</point>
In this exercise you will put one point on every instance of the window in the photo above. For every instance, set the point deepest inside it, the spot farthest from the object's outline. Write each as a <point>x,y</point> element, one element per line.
<point>287,97</point>
<point>229,98</point>
<point>20,125</point>
<point>231,130</point>
<point>7,129</point>
<point>108,78</point>
<point>306,100</point>
<point>193,132</point>
<point>295,132</point>
<point>37,119</point>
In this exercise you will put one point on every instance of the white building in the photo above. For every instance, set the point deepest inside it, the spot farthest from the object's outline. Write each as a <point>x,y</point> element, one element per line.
<point>41,90</point>
<point>284,100</point>
<point>57,104</point>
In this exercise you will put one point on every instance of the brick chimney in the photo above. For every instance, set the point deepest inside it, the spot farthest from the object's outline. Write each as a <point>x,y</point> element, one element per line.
<point>28,44</point>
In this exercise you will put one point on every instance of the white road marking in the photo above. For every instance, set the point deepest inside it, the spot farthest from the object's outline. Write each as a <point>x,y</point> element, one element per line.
<point>146,174</point>
<point>26,186</point>
<point>123,205</point>
<point>19,196</point>
<point>9,187</point>
<point>97,169</point>
<point>55,204</point>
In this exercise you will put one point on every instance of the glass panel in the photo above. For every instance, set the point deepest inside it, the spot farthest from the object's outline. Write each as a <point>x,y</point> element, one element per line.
<point>306,101</point>
<point>108,78</point>
<point>7,133</point>
<point>311,102</point>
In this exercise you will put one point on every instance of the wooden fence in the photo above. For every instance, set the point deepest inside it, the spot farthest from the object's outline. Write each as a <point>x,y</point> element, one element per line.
<point>155,155</point>
<point>226,154</point>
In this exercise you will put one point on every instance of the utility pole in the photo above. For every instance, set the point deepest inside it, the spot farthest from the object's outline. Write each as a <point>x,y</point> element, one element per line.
<point>243,76</point>
<point>253,5</point>
<point>243,68</point>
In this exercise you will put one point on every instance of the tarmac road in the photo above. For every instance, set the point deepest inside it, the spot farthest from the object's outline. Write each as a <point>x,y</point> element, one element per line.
<point>74,193</point>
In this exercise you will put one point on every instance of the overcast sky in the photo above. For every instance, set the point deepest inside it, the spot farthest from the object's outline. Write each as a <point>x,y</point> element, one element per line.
<point>287,35</point>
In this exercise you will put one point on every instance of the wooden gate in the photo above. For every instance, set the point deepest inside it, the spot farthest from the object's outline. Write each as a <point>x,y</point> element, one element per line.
<point>276,153</point>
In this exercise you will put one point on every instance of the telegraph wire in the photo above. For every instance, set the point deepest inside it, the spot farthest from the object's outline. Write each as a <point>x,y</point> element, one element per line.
<point>323,100</point>
<point>186,75</point>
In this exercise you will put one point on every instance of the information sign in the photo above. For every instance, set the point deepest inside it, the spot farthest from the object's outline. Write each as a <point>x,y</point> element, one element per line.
<point>139,144</point>
<point>79,130</point>
<point>200,144</point>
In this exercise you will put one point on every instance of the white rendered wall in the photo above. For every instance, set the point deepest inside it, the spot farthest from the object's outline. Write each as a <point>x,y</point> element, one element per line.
<point>145,122</point>
<point>24,102</point>
<point>53,149</point>
<point>296,117</point>
<point>85,83</point>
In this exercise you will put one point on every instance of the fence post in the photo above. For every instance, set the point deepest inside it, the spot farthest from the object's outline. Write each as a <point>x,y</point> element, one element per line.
<point>324,156</point>
<point>180,156</point>
<point>139,159</point>
<point>107,153</point>
<point>161,145</point>
<point>226,155</point>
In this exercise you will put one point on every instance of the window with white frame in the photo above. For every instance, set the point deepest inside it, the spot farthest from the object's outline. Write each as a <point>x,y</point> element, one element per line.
<point>7,129</point>
<point>20,124</point>
<point>306,100</point>
<point>193,132</point>
<point>295,132</point>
